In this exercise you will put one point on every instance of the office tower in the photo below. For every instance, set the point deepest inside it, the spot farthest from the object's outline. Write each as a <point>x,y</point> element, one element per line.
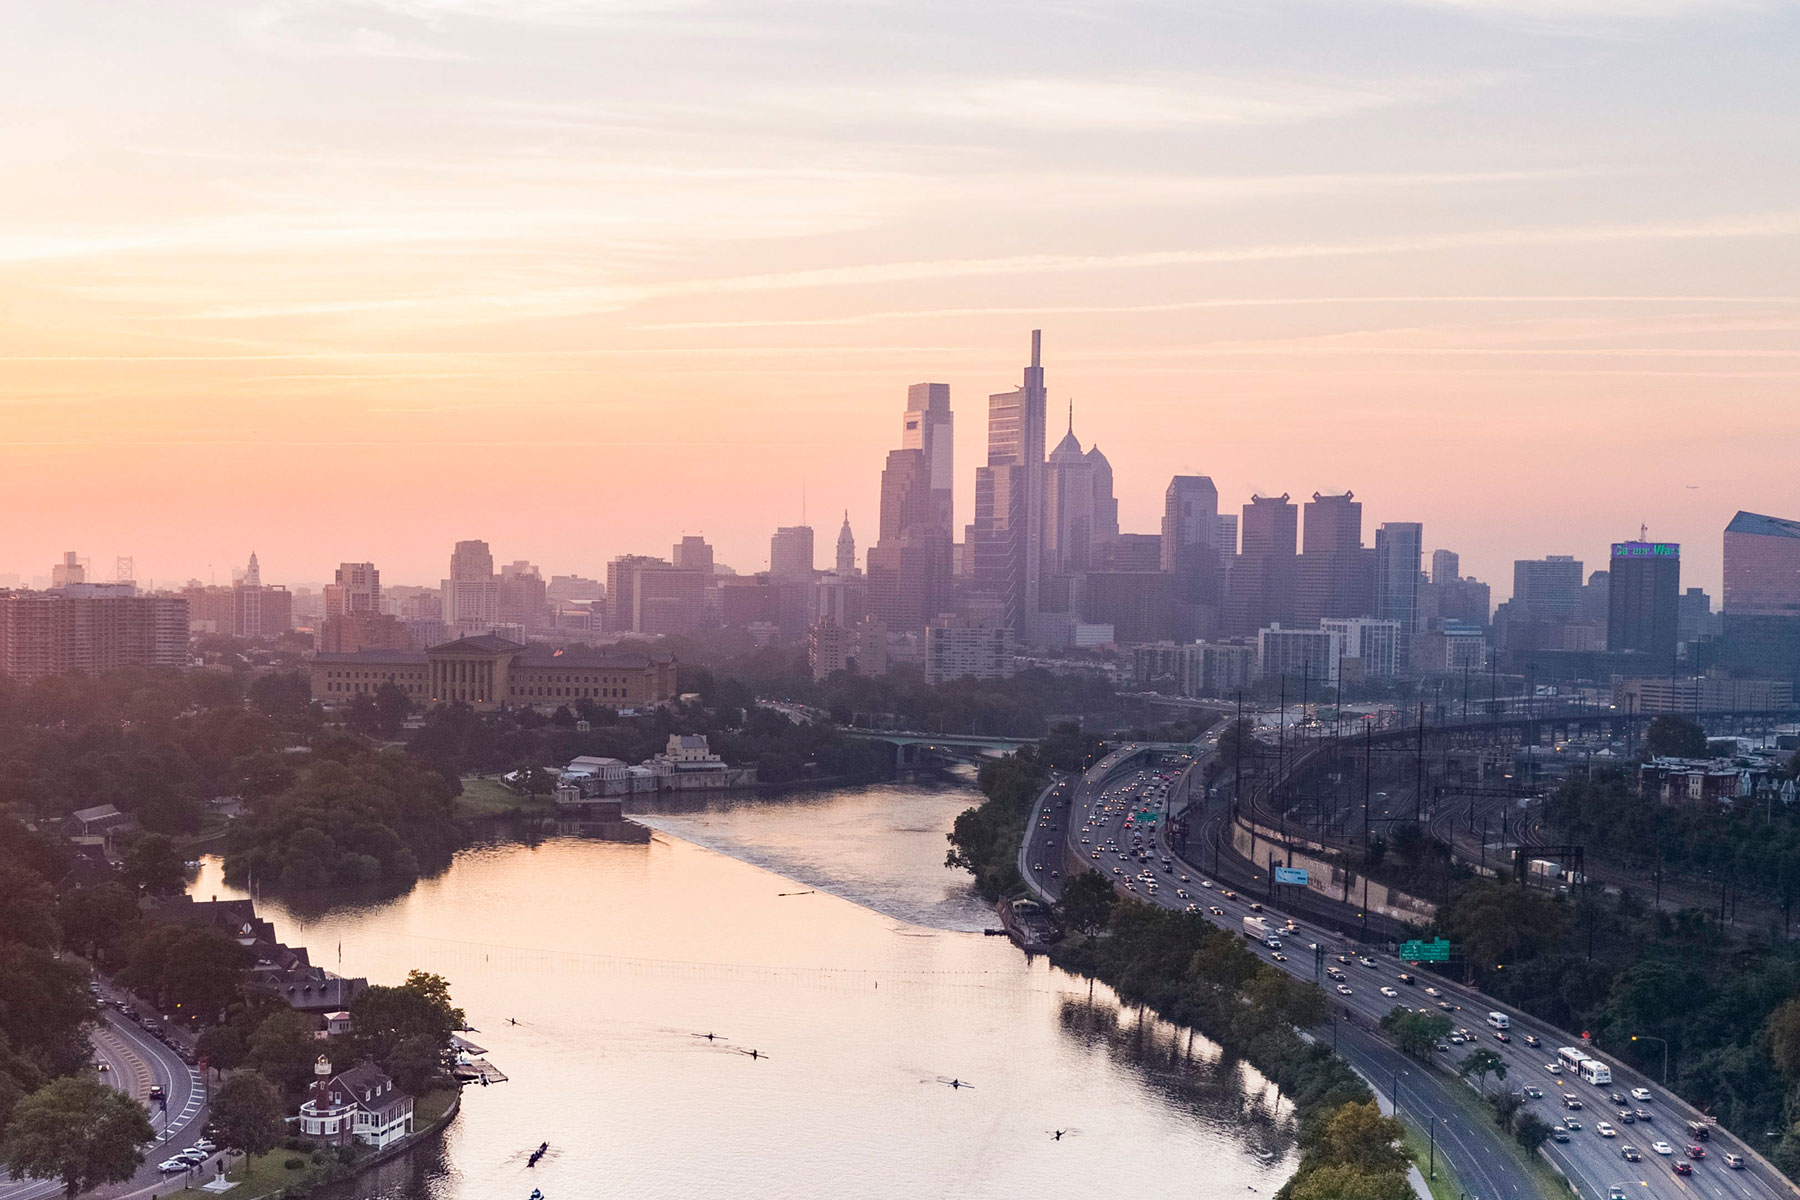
<point>1446,566</point>
<point>1306,656</point>
<point>846,548</point>
<point>259,611</point>
<point>1643,599</point>
<point>471,593</point>
<point>1261,586</point>
<point>791,554</point>
<point>1373,648</point>
<point>621,606</point>
<point>1227,537</point>
<point>929,428</point>
<point>1695,617</point>
<point>1399,546</point>
<point>1190,554</point>
<point>523,598</point>
<point>693,554</point>
<point>1006,537</point>
<point>1547,589</point>
<point>91,628</point>
<point>909,565</point>
<point>1336,575</point>
<point>1106,505</point>
<point>1071,508</point>
<point>666,599</point>
<point>69,570</point>
<point>1761,604</point>
<point>356,589</point>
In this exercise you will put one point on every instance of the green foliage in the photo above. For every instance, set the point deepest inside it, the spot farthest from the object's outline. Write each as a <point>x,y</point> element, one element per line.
<point>27,907</point>
<point>1531,1130</point>
<point>1415,1032</point>
<point>187,970</point>
<point>249,1113</point>
<point>1498,922</point>
<point>985,839</point>
<point>99,921</point>
<point>1087,902</point>
<point>406,1029</point>
<point>1481,1064</point>
<point>356,816</point>
<point>1674,737</point>
<point>282,1049</point>
<point>79,1132</point>
<point>153,866</point>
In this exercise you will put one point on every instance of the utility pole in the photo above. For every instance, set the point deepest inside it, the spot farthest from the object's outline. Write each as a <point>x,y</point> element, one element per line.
<point>1419,780</point>
<point>1368,776</point>
<point>1432,1173</point>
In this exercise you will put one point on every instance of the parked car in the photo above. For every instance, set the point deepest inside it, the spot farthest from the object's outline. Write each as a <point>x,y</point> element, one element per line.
<point>173,1166</point>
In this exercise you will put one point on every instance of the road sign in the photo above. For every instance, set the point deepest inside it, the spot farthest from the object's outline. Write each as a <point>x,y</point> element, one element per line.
<point>1293,875</point>
<point>1434,951</point>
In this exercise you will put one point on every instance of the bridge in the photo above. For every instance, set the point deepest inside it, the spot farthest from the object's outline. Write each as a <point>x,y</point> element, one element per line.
<point>910,744</point>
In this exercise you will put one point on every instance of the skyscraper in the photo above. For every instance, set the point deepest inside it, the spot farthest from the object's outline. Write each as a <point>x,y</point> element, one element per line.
<point>929,428</point>
<point>791,553</point>
<point>909,565</point>
<point>1546,589</point>
<point>1261,587</point>
<point>1190,554</point>
<point>1399,547</point>
<point>1007,535</point>
<point>1446,566</point>
<point>1069,507</point>
<point>357,590</point>
<point>471,593</point>
<point>846,548</point>
<point>693,553</point>
<point>1761,605</point>
<point>1643,599</point>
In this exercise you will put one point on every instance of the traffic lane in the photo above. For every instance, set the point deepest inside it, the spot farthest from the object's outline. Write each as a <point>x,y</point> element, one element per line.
<point>179,1124</point>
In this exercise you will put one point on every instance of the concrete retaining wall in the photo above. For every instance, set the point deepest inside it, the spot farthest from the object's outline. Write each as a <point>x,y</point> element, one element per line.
<point>1329,879</point>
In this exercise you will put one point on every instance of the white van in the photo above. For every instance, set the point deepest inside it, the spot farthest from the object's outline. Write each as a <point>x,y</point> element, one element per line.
<point>1499,1020</point>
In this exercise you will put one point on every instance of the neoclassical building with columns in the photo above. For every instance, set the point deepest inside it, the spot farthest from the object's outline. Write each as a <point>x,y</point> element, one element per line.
<point>489,672</point>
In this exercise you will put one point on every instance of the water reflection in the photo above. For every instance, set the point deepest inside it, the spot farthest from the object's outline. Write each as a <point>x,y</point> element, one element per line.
<point>612,956</point>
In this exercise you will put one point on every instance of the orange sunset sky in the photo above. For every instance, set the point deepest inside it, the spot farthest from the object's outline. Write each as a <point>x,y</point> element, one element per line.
<point>352,280</point>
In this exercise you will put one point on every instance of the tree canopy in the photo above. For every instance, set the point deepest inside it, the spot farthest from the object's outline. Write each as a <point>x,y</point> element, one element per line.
<point>77,1131</point>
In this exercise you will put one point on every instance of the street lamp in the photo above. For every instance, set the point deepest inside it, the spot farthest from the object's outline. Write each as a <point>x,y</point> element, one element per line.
<point>1646,1037</point>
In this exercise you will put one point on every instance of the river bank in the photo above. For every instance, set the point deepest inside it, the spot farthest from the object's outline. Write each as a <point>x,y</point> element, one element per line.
<point>289,1174</point>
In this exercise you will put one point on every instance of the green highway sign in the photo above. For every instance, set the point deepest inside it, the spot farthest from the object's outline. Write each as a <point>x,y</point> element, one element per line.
<point>1435,951</point>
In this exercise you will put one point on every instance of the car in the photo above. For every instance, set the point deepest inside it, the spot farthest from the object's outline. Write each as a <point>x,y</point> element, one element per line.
<point>1255,907</point>
<point>1625,1117</point>
<point>1193,908</point>
<point>1734,1161</point>
<point>1229,894</point>
<point>1039,867</point>
<point>156,1092</point>
<point>1683,1168</point>
<point>1640,1094</point>
<point>1457,1039</point>
<point>1278,956</point>
<point>1534,1092</point>
<point>1662,1148</point>
<point>1368,962</point>
<point>1389,992</point>
<point>1207,884</point>
<point>1442,1047</point>
<point>1572,1103</point>
<point>1615,1192</point>
<point>1445,1005</point>
<point>1531,1039</point>
<point>1696,1152</point>
<point>1433,992</point>
<point>1553,1068</point>
<point>1407,979</point>
<point>1185,879</point>
<point>1344,958</point>
<point>193,1154</point>
<point>102,1065</point>
<point>1571,1123</point>
<point>1643,1114</point>
<point>1118,870</point>
<point>1559,1135</point>
<point>1182,892</point>
<point>1500,1035</point>
<point>206,1144</point>
<point>1630,1154</point>
<point>1617,1097</point>
<point>1216,910</point>
<point>1344,989</point>
<point>173,1166</point>
<point>1605,1130</point>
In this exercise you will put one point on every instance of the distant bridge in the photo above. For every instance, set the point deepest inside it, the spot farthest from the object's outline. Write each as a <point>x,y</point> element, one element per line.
<point>909,744</point>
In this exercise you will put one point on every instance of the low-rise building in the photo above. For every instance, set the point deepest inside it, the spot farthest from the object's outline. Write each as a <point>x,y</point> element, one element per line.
<point>489,672</point>
<point>686,765</point>
<point>360,1104</point>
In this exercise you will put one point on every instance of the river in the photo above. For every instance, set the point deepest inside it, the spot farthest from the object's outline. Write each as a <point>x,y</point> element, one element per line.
<point>864,990</point>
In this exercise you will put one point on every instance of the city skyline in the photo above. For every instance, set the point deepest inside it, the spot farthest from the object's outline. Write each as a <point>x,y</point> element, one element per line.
<point>1488,261</point>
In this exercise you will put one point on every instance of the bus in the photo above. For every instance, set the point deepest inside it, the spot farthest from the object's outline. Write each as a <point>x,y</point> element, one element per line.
<point>1570,1058</point>
<point>1594,1071</point>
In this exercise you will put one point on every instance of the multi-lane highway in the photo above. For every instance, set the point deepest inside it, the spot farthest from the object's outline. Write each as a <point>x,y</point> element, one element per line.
<point>136,1063</point>
<point>1095,821</point>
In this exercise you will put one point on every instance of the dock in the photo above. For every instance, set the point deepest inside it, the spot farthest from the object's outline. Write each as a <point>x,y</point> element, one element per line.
<point>471,1065</point>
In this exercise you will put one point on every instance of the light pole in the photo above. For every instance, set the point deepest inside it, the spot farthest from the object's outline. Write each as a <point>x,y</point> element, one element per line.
<point>1647,1037</point>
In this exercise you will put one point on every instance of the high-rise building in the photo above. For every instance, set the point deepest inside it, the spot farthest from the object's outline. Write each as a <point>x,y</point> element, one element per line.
<point>1762,567</point>
<point>1399,546</point>
<point>1335,573</point>
<point>1547,589</point>
<point>1190,554</point>
<point>956,649</point>
<point>666,599</point>
<point>472,592</point>
<point>929,428</point>
<point>70,570</point>
<point>1260,590</point>
<point>91,628</point>
<point>1446,566</point>
<point>1644,599</point>
<point>909,566</point>
<point>1306,655</point>
<point>846,548</point>
<point>357,589</point>
<point>1695,616</point>
<point>693,553</point>
<point>1377,647</point>
<point>523,598</point>
<point>1074,510</point>
<point>791,554</point>
<point>621,606</point>
<point>259,611</point>
<point>1007,535</point>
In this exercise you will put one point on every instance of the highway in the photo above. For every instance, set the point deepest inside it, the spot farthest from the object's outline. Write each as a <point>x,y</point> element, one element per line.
<point>135,1062</point>
<point>1085,820</point>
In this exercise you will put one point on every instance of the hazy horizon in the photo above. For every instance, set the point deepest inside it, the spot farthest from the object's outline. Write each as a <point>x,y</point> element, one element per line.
<point>354,280</point>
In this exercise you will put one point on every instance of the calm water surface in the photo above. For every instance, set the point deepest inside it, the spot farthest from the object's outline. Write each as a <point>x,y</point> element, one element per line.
<point>863,994</point>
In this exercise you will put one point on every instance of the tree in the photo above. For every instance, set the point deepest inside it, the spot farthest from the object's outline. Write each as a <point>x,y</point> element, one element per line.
<point>1341,1181</point>
<point>1481,1064</point>
<point>99,921</point>
<point>1087,902</point>
<point>283,1049</point>
<point>1531,1131</point>
<point>1784,1039</point>
<point>79,1131</point>
<point>1357,1135</point>
<point>384,1018</point>
<point>1670,736</point>
<point>154,866</point>
<point>197,970</point>
<point>1500,923</point>
<point>1415,1032</point>
<point>415,1063</point>
<point>27,907</point>
<point>248,1112</point>
<point>392,707</point>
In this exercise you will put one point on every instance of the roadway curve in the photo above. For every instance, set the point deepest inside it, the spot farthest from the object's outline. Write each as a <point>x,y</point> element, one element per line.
<point>1482,1158</point>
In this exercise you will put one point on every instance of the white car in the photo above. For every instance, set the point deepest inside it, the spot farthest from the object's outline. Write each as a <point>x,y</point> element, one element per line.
<point>1389,992</point>
<point>1344,989</point>
<point>173,1166</point>
<point>1662,1148</point>
<point>1605,1130</point>
<point>1640,1093</point>
<point>1433,992</point>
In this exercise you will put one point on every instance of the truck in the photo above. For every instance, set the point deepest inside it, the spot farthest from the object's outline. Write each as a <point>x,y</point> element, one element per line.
<point>1545,868</point>
<point>1499,1020</point>
<point>1258,928</point>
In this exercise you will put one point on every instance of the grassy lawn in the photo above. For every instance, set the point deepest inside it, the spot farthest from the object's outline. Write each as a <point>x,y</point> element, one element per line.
<point>1444,1187</point>
<point>1546,1181</point>
<point>261,1174</point>
<point>491,798</point>
<point>432,1105</point>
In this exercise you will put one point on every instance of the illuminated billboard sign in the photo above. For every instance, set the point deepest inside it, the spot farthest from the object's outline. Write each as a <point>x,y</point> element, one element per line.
<point>1646,550</point>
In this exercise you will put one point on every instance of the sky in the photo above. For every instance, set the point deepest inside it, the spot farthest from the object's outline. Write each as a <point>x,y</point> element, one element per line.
<point>352,279</point>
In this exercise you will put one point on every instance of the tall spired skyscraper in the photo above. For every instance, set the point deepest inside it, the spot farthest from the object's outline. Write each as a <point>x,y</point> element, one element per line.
<point>846,548</point>
<point>1007,536</point>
